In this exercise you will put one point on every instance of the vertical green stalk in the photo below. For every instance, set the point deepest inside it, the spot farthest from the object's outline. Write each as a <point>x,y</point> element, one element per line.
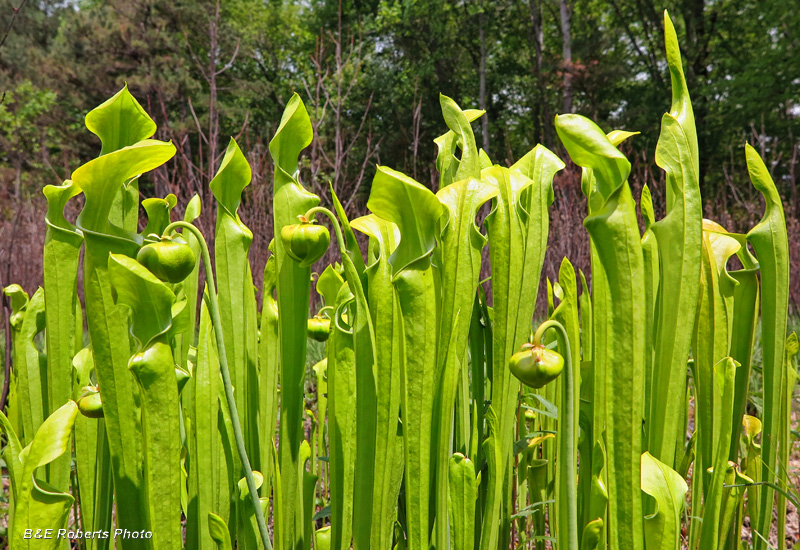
<point>268,356</point>
<point>397,198</point>
<point>567,504</point>
<point>342,421</point>
<point>363,337</point>
<point>771,245</point>
<point>518,228</point>
<point>189,287</point>
<point>387,321</point>
<point>227,385</point>
<point>232,241</point>
<point>107,226</point>
<point>679,236</point>
<point>461,501</point>
<point>62,247</point>
<point>746,298</point>
<point>153,367</point>
<point>614,230</point>
<point>92,460</point>
<point>785,435</point>
<point>507,239</point>
<point>290,200</point>
<point>30,374</point>
<point>327,286</point>
<point>651,274</point>
<point>201,407</point>
<point>365,364</point>
<point>724,377</point>
<point>710,345</point>
<point>461,245</point>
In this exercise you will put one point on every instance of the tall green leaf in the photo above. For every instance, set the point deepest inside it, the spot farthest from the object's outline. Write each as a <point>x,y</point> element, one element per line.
<point>387,322</point>
<point>662,528</point>
<point>613,226</point>
<point>415,210</point>
<point>771,245</point>
<point>150,302</point>
<point>62,247</point>
<point>291,199</point>
<point>679,236</point>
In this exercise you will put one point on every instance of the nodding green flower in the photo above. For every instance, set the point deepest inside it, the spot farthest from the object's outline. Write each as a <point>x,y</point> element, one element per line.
<point>170,259</point>
<point>536,366</point>
<point>319,328</point>
<point>305,242</point>
<point>90,404</point>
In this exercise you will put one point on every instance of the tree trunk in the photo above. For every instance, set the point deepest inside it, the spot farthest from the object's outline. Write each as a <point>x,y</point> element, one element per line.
<point>482,76</point>
<point>213,115</point>
<point>566,48</point>
<point>541,109</point>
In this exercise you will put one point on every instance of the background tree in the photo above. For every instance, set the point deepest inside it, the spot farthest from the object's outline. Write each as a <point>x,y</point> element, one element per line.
<point>371,71</point>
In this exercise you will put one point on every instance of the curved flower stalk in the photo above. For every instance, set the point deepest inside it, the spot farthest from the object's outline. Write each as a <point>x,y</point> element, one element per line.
<point>364,354</point>
<point>614,229</point>
<point>679,236</point>
<point>567,491</point>
<point>62,248</point>
<point>35,502</point>
<point>363,339</point>
<point>771,245</point>
<point>106,226</point>
<point>291,199</point>
<point>566,313</point>
<point>150,302</point>
<point>237,300</point>
<point>327,286</point>
<point>227,387</point>
<point>188,289</point>
<point>387,323</point>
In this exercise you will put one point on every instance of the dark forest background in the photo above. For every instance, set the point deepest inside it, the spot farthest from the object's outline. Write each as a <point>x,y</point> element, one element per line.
<point>370,72</point>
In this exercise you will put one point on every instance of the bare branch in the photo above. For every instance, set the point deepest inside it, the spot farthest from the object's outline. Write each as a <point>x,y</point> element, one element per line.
<point>197,122</point>
<point>229,64</point>
<point>11,22</point>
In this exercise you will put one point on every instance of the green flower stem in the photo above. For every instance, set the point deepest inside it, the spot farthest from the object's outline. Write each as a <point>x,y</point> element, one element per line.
<point>213,309</point>
<point>567,535</point>
<point>365,388</point>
